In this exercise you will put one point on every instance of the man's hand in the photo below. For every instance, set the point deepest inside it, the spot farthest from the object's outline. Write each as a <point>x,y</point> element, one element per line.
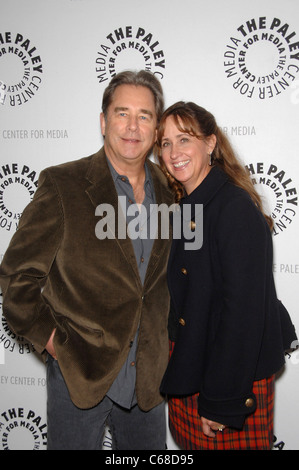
<point>50,346</point>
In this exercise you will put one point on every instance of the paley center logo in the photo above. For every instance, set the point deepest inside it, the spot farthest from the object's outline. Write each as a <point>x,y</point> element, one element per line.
<point>21,69</point>
<point>261,58</point>
<point>278,192</point>
<point>22,429</point>
<point>129,47</point>
<point>10,343</point>
<point>18,184</point>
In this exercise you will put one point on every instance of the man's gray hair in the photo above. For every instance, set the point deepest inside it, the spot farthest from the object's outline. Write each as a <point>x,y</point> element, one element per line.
<point>141,78</point>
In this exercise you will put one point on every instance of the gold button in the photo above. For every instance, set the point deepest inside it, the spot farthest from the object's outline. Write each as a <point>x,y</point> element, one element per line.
<point>182,321</point>
<point>192,225</point>
<point>249,402</point>
<point>184,271</point>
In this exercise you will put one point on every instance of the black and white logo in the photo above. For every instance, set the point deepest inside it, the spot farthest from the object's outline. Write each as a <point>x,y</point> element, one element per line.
<point>18,184</point>
<point>129,48</point>
<point>278,193</point>
<point>261,58</point>
<point>21,69</point>
<point>10,343</point>
<point>22,429</point>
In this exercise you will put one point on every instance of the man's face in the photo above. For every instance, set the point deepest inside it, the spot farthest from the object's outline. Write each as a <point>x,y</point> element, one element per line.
<point>130,125</point>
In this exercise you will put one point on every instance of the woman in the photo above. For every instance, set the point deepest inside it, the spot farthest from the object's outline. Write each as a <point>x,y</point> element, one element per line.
<point>227,329</point>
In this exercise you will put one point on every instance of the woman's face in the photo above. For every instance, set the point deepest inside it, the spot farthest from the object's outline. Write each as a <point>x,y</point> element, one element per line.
<point>186,157</point>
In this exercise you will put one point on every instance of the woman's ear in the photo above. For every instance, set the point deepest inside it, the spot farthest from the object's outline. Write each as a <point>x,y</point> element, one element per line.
<point>211,142</point>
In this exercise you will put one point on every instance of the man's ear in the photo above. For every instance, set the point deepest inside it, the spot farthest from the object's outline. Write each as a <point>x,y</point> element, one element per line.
<point>103,124</point>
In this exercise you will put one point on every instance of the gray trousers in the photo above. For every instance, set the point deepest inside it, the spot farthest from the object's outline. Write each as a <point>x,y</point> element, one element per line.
<point>70,428</point>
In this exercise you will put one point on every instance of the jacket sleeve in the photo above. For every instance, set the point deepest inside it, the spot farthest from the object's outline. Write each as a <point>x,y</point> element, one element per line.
<point>243,248</point>
<point>27,262</point>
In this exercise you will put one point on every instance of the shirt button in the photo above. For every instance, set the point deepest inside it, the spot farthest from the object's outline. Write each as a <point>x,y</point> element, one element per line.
<point>184,271</point>
<point>182,322</point>
<point>142,259</point>
<point>249,402</point>
<point>133,364</point>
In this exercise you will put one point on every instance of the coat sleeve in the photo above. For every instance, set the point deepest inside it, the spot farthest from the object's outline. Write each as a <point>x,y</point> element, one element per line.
<point>27,262</point>
<point>243,250</point>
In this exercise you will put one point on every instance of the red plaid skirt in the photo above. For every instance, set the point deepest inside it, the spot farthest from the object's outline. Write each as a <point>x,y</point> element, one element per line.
<point>256,434</point>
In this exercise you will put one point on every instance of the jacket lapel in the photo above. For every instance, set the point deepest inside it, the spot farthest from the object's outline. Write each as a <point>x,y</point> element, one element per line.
<point>101,190</point>
<point>163,195</point>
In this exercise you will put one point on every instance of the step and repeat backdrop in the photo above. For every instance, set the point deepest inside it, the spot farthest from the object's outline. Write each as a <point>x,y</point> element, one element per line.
<point>240,60</point>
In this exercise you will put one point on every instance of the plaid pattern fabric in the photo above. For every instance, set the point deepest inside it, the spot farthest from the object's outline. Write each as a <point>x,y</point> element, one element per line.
<point>257,432</point>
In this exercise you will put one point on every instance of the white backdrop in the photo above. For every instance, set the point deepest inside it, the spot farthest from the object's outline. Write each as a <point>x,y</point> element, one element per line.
<point>240,60</point>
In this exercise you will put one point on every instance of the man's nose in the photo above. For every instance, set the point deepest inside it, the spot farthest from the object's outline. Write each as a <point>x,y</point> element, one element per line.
<point>133,123</point>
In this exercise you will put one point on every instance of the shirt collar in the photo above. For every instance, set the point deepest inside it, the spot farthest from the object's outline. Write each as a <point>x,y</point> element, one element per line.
<point>116,176</point>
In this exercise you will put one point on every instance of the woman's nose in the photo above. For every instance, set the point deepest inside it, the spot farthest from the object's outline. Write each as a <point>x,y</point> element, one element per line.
<point>174,152</point>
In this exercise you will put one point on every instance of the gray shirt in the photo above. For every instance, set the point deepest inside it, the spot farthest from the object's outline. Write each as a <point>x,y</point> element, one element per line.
<point>122,390</point>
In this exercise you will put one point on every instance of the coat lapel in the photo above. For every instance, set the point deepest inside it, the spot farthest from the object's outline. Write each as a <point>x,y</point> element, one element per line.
<point>198,200</point>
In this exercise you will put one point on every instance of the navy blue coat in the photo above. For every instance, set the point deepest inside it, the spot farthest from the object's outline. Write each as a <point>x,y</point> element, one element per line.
<point>228,326</point>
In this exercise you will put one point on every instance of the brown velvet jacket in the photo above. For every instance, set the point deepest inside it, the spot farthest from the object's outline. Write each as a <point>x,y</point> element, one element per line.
<point>57,274</point>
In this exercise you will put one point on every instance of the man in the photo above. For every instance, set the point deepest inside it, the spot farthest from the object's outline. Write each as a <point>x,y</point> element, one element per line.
<point>97,306</point>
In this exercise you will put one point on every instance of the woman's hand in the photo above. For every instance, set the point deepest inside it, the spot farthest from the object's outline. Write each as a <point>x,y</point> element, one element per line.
<point>210,428</point>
